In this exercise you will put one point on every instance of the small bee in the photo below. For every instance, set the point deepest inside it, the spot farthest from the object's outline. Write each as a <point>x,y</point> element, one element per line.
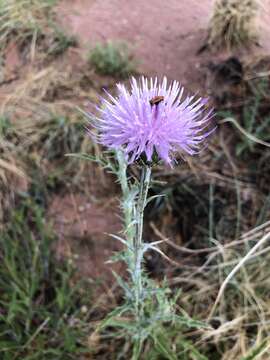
<point>156,100</point>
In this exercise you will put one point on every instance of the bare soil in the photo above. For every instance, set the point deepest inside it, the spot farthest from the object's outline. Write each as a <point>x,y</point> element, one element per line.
<point>84,229</point>
<point>165,37</point>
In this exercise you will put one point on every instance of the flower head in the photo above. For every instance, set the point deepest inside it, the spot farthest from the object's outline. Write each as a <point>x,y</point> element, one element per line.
<point>153,118</point>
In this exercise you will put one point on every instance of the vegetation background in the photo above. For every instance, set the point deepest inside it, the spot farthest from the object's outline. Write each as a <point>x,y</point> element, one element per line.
<point>55,210</point>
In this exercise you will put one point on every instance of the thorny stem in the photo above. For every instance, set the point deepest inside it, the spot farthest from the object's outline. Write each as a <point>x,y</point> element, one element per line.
<point>133,209</point>
<point>138,251</point>
<point>122,173</point>
<point>127,203</point>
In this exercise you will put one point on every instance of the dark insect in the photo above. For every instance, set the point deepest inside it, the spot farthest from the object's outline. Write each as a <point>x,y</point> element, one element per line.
<point>156,100</point>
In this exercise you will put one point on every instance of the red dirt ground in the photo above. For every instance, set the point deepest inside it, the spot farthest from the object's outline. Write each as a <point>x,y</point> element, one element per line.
<point>83,228</point>
<point>164,36</point>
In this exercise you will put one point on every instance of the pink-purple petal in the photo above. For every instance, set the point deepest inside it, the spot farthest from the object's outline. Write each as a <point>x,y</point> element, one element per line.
<point>175,124</point>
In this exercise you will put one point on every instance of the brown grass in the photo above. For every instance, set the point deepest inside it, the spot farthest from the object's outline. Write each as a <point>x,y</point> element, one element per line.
<point>233,24</point>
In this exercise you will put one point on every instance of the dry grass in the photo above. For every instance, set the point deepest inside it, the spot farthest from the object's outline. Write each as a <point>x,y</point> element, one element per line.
<point>20,19</point>
<point>39,124</point>
<point>31,26</point>
<point>200,263</point>
<point>233,24</point>
<point>241,320</point>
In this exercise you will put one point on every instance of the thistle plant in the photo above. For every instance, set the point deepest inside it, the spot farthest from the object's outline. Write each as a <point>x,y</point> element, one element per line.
<point>151,123</point>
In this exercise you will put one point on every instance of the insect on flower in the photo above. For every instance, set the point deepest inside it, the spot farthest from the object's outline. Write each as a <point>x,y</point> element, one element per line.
<point>156,100</point>
<point>152,118</point>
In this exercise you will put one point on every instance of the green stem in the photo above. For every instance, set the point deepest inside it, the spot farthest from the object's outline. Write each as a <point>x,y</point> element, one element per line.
<point>128,199</point>
<point>138,242</point>
<point>134,203</point>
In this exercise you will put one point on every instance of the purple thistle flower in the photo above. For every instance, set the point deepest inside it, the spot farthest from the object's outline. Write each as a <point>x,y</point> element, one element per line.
<point>152,118</point>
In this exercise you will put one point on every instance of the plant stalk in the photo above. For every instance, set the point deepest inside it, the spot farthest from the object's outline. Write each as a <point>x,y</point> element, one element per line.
<point>138,241</point>
<point>128,199</point>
